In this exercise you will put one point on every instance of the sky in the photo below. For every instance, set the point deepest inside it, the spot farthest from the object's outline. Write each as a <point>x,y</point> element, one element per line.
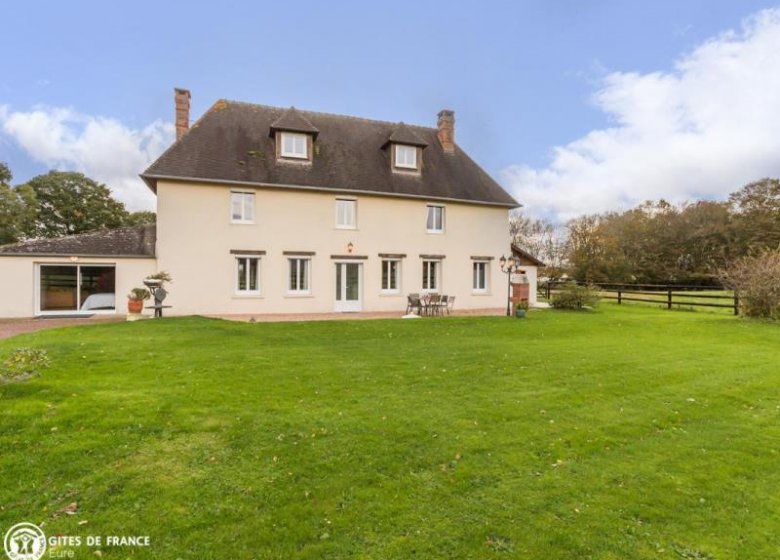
<point>574,106</point>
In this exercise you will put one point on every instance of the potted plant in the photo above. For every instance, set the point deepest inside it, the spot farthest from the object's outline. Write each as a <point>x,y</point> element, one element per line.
<point>521,308</point>
<point>135,300</point>
<point>158,279</point>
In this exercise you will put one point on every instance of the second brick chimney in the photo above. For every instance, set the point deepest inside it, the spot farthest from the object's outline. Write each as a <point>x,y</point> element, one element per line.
<point>446,126</point>
<point>181,98</point>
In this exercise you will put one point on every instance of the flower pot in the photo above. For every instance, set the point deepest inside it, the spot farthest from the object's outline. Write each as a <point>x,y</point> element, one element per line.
<point>135,305</point>
<point>519,313</point>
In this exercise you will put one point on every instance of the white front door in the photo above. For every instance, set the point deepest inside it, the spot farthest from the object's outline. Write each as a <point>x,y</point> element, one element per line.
<point>349,288</point>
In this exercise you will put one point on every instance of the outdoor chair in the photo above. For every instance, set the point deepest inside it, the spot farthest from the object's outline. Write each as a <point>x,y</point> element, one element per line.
<point>433,304</point>
<point>443,304</point>
<point>450,304</point>
<point>413,303</point>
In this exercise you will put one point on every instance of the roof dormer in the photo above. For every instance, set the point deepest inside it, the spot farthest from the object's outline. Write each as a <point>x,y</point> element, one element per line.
<point>294,136</point>
<point>405,149</point>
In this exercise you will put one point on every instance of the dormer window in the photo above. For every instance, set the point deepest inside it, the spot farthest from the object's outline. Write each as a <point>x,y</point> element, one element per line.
<point>294,135</point>
<point>294,145</point>
<point>405,147</point>
<point>406,157</point>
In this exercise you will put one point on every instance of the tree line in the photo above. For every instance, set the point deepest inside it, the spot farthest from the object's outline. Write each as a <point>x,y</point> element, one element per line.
<point>658,242</point>
<point>59,203</point>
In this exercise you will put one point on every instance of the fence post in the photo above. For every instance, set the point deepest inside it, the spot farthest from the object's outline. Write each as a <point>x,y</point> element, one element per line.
<point>669,298</point>
<point>736,303</point>
<point>620,295</point>
<point>548,289</point>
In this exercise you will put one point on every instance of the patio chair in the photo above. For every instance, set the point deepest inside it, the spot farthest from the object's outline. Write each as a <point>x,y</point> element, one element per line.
<point>413,302</point>
<point>450,304</point>
<point>443,304</point>
<point>433,304</point>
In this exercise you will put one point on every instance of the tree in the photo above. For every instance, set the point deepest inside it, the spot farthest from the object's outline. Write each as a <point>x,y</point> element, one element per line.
<point>69,203</point>
<point>140,217</point>
<point>540,238</point>
<point>17,206</point>
<point>756,209</point>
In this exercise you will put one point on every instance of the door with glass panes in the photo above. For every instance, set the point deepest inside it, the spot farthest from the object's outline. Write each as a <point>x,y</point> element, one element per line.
<point>349,289</point>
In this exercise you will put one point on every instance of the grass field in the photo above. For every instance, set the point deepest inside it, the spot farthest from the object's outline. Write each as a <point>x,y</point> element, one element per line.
<point>628,432</point>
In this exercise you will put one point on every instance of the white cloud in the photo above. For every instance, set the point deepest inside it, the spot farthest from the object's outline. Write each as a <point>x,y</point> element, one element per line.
<point>101,148</point>
<point>700,131</point>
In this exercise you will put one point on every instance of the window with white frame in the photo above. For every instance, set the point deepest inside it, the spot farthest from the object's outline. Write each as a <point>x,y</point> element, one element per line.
<point>391,276</point>
<point>346,213</point>
<point>299,276</point>
<point>435,219</point>
<point>479,276</point>
<point>295,145</point>
<point>405,156</point>
<point>431,279</point>
<point>242,207</point>
<point>247,275</point>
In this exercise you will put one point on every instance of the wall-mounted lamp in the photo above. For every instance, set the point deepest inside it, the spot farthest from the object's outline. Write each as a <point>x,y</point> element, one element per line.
<point>74,258</point>
<point>350,247</point>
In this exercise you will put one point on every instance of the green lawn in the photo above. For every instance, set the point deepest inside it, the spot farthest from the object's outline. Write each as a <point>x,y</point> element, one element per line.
<point>628,432</point>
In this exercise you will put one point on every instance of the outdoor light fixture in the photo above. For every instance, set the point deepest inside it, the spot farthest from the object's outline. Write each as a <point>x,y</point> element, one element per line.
<point>350,246</point>
<point>509,266</point>
<point>74,258</point>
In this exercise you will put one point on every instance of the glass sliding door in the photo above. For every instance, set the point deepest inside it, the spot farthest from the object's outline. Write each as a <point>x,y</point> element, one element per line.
<point>67,288</point>
<point>96,288</point>
<point>59,288</point>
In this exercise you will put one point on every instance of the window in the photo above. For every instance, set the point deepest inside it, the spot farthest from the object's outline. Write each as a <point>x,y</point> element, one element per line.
<point>295,145</point>
<point>242,207</point>
<point>346,213</point>
<point>71,288</point>
<point>406,156</point>
<point>480,272</point>
<point>431,280</point>
<point>435,222</point>
<point>390,276</point>
<point>298,282</point>
<point>247,275</point>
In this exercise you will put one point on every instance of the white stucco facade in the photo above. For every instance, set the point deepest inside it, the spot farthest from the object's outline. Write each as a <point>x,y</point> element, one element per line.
<point>21,297</point>
<point>197,244</point>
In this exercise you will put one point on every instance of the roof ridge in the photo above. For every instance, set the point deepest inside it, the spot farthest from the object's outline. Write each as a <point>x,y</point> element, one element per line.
<point>326,114</point>
<point>72,235</point>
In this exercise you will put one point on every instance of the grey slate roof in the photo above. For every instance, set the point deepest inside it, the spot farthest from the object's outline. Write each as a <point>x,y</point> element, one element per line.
<point>403,134</point>
<point>135,241</point>
<point>231,143</point>
<point>526,256</point>
<point>293,121</point>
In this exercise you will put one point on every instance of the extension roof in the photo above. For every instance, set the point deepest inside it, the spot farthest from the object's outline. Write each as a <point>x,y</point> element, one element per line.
<point>232,144</point>
<point>135,241</point>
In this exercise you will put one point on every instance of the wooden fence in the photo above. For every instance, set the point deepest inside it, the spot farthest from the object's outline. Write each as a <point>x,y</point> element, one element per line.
<point>665,294</point>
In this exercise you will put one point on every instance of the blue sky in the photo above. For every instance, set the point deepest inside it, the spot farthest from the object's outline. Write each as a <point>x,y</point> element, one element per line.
<point>521,76</point>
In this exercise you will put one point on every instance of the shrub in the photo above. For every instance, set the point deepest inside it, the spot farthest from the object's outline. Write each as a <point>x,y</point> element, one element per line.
<point>24,363</point>
<point>138,294</point>
<point>574,296</point>
<point>756,280</point>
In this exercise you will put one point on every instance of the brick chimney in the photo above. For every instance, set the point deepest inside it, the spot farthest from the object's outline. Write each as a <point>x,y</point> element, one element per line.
<point>446,126</point>
<point>181,99</point>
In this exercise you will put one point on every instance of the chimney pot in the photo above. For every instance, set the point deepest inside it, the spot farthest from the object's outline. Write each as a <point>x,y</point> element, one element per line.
<point>446,125</point>
<point>181,98</point>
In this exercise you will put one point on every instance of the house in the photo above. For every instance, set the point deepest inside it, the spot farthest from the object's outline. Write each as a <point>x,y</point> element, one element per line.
<point>529,269</point>
<point>278,210</point>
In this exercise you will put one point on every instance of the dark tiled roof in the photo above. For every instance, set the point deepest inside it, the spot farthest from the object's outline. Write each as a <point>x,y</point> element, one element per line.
<point>135,241</point>
<point>230,143</point>
<point>526,256</point>
<point>403,134</point>
<point>293,121</point>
